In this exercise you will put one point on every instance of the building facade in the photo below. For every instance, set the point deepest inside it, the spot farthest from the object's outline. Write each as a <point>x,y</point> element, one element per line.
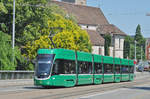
<point>148,52</point>
<point>117,39</point>
<point>147,49</point>
<point>80,2</point>
<point>95,23</point>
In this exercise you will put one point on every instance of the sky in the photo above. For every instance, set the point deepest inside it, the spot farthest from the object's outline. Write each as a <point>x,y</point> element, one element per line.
<point>126,14</point>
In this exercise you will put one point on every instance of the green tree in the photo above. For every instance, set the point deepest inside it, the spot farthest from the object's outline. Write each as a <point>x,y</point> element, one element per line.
<point>31,16</point>
<point>140,42</point>
<point>6,51</point>
<point>128,42</point>
<point>138,34</point>
<point>71,36</point>
<point>107,38</point>
<point>35,20</point>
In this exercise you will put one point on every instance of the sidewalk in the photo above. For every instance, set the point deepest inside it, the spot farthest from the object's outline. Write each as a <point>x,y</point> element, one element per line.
<point>16,82</point>
<point>139,75</point>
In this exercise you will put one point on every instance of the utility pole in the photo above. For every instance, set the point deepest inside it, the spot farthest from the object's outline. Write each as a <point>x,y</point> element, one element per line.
<point>141,52</point>
<point>13,37</point>
<point>135,51</point>
<point>13,30</point>
<point>135,56</point>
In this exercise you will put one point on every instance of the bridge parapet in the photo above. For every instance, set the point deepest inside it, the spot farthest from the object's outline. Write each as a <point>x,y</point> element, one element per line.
<point>16,75</point>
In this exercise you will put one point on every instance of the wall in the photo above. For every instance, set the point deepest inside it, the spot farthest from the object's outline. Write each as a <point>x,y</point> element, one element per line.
<point>119,46</point>
<point>16,74</point>
<point>98,50</point>
<point>80,2</point>
<point>111,51</point>
<point>89,27</point>
<point>148,52</point>
<point>70,1</point>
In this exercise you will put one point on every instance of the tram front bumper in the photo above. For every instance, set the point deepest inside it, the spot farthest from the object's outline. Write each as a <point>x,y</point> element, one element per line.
<point>38,82</point>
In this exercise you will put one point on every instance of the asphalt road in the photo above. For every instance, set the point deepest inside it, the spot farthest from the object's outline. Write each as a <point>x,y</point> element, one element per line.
<point>138,89</point>
<point>135,92</point>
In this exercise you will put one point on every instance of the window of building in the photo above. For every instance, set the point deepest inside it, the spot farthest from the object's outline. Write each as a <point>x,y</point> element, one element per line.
<point>85,67</point>
<point>87,26</point>
<point>100,51</point>
<point>81,2</point>
<point>70,1</point>
<point>119,43</point>
<point>108,68</point>
<point>98,68</point>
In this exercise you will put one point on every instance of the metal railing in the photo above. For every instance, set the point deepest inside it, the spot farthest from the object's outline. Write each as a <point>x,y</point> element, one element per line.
<point>16,75</point>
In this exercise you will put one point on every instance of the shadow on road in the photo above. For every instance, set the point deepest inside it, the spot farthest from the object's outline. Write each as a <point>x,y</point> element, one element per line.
<point>44,87</point>
<point>34,87</point>
<point>141,88</point>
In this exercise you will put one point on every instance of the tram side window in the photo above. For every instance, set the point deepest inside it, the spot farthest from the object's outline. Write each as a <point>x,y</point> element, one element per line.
<point>125,69</point>
<point>85,67</point>
<point>64,67</point>
<point>108,68</point>
<point>117,69</point>
<point>132,69</point>
<point>69,67</point>
<point>98,68</point>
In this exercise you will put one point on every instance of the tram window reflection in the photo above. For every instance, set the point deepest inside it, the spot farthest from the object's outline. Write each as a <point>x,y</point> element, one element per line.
<point>85,67</point>
<point>131,69</point>
<point>125,69</point>
<point>98,68</point>
<point>64,67</point>
<point>108,68</point>
<point>117,69</point>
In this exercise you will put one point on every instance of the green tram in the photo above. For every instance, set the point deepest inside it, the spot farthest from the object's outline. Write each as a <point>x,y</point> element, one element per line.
<point>62,67</point>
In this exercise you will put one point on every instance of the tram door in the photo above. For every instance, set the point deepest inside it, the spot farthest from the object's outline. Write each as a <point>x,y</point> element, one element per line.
<point>85,75</point>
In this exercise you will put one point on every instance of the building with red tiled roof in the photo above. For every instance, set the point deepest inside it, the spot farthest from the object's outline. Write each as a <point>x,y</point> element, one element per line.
<point>84,14</point>
<point>110,29</point>
<point>93,20</point>
<point>80,2</point>
<point>147,49</point>
<point>97,42</point>
<point>117,42</point>
<point>95,38</point>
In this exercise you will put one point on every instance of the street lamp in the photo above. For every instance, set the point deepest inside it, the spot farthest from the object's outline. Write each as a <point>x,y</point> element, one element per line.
<point>135,56</point>
<point>141,52</point>
<point>13,31</point>
<point>135,50</point>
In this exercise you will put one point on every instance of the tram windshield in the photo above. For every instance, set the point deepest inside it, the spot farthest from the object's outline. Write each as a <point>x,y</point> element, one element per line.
<point>44,64</point>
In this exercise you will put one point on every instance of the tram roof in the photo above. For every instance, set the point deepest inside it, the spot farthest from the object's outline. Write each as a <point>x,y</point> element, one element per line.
<point>59,53</point>
<point>124,62</point>
<point>108,60</point>
<point>84,56</point>
<point>131,62</point>
<point>117,60</point>
<point>97,58</point>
